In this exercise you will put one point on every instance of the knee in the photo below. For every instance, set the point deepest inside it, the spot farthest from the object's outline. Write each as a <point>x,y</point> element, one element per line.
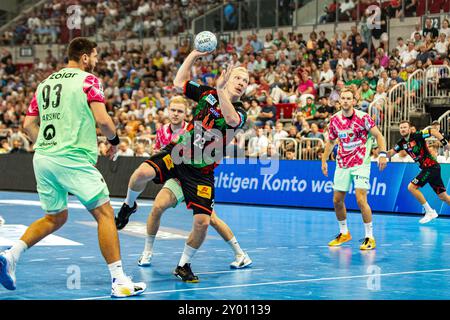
<point>443,196</point>
<point>338,203</point>
<point>158,210</point>
<point>143,173</point>
<point>57,219</point>
<point>201,223</point>
<point>411,187</point>
<point>214,222</point>
<point>361,201</point>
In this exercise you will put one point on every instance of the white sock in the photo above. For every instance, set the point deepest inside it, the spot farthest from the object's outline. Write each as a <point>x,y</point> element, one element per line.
<point>369,230</point>
<point>187,255</point>
<point>149,243</point>
<point>234,244</point>
<point>17,249</point>
<point>116,271</point>
<point>427,207</point>
<point>131,197</point>
<point>343,226</point>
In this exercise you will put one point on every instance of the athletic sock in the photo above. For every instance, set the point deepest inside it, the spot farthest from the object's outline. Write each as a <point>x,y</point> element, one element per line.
<point>187,255</point>
<point>131,197</point>
<point>343,226</point>
<point>149,243</point>
<point>116,271</point>
<point>234,244</point>
<point>427,207</point>
<point>17,249</point>
<point>369,229</point>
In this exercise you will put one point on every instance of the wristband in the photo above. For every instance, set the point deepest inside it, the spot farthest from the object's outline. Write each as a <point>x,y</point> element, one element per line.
<point>383,154</point>
<point>114,141</point>
<point>444,142</point>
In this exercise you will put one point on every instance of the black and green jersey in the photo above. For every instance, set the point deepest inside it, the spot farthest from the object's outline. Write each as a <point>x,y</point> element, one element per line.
<point>207,132</point>
<point>416,147</point>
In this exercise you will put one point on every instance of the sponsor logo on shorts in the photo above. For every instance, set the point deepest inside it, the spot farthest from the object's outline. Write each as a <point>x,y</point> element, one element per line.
<point>211,100</point>
<point>415,181</point>
<point>168,161</point>
<point>204,191</point>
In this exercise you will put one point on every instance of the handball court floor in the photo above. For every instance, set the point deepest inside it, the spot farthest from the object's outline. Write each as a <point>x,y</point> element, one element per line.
<point>291,259</point>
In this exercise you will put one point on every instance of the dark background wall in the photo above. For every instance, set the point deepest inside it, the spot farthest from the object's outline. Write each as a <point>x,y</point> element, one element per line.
<point>17,174</point>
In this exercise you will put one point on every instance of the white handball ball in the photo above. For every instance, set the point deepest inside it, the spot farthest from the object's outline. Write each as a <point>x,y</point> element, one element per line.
<point>205,41</point>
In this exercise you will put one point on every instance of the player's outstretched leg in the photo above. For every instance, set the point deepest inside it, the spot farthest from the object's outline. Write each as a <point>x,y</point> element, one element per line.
<point>141,176</point>
<point>37,231</point>
<point>341,215</point>
<point>163,201</point>
<point>430,213</point>
<point>108,240</point>
<point>242,259</point>
<point>361,200</point>
<point>195,240</point>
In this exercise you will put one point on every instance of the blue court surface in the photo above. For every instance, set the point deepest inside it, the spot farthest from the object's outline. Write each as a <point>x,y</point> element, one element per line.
<point>291,259</point>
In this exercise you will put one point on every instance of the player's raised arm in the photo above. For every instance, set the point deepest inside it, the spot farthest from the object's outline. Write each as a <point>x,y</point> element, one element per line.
<point>440,137</point>
<point>31,122</point>
<point>374,131</point>
<point>184,72</point>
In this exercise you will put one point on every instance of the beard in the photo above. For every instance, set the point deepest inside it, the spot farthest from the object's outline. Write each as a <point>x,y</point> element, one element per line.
<point>90,67</point>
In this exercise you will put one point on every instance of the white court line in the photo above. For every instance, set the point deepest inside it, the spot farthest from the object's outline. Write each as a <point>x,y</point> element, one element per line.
<point>134,254</point>
<point>407,244</point>
<point>447,244</point>
<point>62,258</point>
<point>282,247</point>
<point>221,250</point>
<point>303,247</point>
<point>230,271</point>
<point>261,248</point>
<point>37,260</point>
<point>281,282</point>
<point>91,257</point>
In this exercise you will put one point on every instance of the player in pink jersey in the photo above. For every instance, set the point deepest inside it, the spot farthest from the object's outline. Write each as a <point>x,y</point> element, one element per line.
<point>171,194</point>
<point>355,130</point>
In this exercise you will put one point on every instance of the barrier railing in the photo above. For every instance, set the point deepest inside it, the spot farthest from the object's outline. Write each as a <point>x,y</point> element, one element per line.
<point>416,91</point>
<point>284,145</point>
<point>378,111</point>
<point>432,76</point>
<point>310,147</point>
<point>397,104</point>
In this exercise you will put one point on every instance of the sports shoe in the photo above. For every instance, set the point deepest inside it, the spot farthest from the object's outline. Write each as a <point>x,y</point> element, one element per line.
<point>7,271</point>
<point>340,239</point>
<point>2,221</point>
<point>124,214</point>
<point>185,273</point>
<point>368,244</point>
<point>145,259</point>
<point>242,261</point>
<point>126,288</point>
<point>428,217</point>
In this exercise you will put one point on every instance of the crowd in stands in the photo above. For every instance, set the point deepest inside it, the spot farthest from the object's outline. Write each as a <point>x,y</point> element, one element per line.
<point>55,21</point>
<point>305,70</point>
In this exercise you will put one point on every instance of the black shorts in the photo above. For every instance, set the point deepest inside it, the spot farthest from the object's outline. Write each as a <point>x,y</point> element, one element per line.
<point>197,183</point>
<point>432,176</point>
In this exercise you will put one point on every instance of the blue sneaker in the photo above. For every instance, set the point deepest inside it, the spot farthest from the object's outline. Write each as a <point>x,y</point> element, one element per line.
<point>7,271</point>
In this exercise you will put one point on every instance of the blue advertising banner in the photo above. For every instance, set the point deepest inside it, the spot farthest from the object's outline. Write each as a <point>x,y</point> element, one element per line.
<point>302,184</point>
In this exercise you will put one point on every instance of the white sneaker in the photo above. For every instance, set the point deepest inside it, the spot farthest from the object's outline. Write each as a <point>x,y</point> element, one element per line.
<point>145,259</point>
<point>428,217</point>
<point>7,271</point>
<point>126,288</point>
<point>241,261</point>
<point>2,221</point>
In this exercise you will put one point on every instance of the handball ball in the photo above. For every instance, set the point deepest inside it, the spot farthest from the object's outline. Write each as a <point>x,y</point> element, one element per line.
<point>205,41</point>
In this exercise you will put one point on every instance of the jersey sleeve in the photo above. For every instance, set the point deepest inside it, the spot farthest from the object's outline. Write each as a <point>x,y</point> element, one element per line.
<point>194,91</point>
<point>332,133</point>
<point>425,133</point>
<point>33,109</point>
<point>368,122</point>
<point>398,147</point>
<point>242,115</point>
<point>93,89</point>
<point>158,144</point>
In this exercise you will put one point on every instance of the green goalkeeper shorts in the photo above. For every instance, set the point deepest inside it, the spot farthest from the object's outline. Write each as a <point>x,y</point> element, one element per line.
<point>174,186</point>
<point>57,176</point>
<point>343,177</point>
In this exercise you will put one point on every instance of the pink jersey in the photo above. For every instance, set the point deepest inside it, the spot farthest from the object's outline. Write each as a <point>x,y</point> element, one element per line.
<point>354,138</point>
<point>92,87</point>
<point>165,135</point>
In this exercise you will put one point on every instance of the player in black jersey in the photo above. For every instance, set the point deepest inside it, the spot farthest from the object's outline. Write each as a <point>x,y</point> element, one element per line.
<point>416,146</point>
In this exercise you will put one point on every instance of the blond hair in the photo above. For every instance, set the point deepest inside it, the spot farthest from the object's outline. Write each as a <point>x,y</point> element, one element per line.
<point>348,89</point>
<point>237,69</point>
<point>178,99</point>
